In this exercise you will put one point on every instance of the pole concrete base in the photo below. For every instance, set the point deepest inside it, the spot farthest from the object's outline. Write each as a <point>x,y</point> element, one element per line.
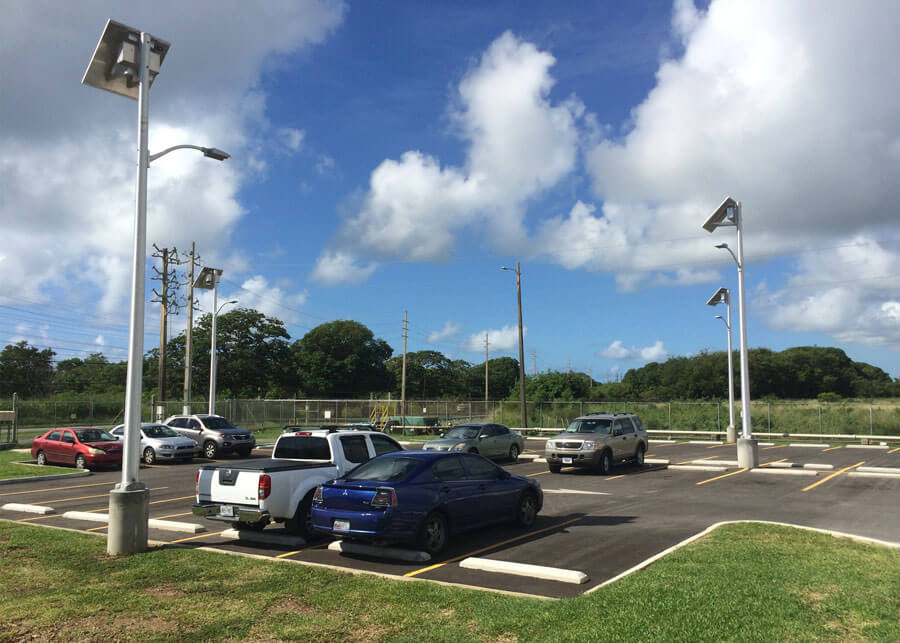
<point>129,511</point>
<point>747,453</point>
<point>730,434</point>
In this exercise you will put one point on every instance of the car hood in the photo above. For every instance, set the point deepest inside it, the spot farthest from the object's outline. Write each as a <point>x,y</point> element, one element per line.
<point>579,436</point>
<point>232,431</point>
<point>175,442</point>
<point>106,445</point>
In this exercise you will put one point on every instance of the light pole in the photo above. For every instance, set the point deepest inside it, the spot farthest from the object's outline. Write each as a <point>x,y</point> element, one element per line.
<point>213,359</point>
<point>521,346</point>
<point>125,62</point>
<point>728,214</point>
<point>723,296</point>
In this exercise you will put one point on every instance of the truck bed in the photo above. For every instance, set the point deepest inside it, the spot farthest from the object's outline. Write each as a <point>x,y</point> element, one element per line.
<point>268,465</point>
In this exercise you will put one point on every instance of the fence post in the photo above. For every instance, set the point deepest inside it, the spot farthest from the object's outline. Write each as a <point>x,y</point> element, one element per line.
<point>819,409</point>
<point>541,415</point>
<point>670,416</point>
<point>769,415</point>
<point>870,419</point>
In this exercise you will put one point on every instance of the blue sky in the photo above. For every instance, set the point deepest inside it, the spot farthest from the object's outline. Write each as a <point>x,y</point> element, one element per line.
<point>392,156</point>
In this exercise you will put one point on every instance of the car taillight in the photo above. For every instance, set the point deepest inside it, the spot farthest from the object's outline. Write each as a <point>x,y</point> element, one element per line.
<point>197,483</point>
<point>384,497</point>
<point>265,486</point>
<point>317,496</point>
<point>302,433</point>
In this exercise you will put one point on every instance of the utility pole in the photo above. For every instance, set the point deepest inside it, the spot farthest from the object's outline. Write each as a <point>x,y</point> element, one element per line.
<point>188,354</point>
<point>166,306</point>
<point>533,362</point>
<point>403,375</point>
<point>485,370</point>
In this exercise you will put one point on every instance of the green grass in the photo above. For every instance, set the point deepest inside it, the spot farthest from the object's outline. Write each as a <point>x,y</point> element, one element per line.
<point>9,467</point>
<point>747,582</point>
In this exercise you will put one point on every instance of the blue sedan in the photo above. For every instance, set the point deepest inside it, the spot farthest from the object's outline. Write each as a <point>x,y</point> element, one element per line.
<point>422,497</point>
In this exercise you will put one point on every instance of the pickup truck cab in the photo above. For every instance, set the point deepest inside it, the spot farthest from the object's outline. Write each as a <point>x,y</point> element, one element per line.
<point>280,489</point>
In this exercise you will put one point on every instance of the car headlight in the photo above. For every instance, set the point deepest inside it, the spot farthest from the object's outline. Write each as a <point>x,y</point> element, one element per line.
<point>94,451</point>
<point>587,445</point>
<point>551,444</point>
<point>459,447</point>
<point>166,446</point>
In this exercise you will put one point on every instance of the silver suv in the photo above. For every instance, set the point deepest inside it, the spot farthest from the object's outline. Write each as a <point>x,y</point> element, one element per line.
<point>214,434</point>
<point>596,441</point>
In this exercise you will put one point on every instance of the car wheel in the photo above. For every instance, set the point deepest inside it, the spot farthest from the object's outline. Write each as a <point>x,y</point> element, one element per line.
<point>41,458</point>
<point>149,455</point>
<point>301,523</point>
<point>433,533</point>
<point>554,468</point>
<point>473,450</point>
<point>210,449</point>
<point>80,462</point>
<point>514,453</point>
<point>604,463</point>
<point>259,525</point>
<point>526,512</point>
<point>639,455</point>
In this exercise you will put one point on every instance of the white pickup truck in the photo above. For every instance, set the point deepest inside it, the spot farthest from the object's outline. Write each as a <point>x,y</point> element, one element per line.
<point>254,493</point>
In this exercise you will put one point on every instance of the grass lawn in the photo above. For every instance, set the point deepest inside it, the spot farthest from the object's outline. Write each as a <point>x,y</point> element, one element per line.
<point>10,469</point>
<point>747,582</point>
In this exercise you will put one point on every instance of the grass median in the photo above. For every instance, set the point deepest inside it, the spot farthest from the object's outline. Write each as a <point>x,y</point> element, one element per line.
<point>747,582</point>
<point>11,467</point>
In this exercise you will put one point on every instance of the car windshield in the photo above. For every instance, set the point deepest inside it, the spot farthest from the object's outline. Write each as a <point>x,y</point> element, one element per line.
<point>218,423</point>
<point>93,435</point>
<point>159,431</point>
<point>590,426</point>
<point>463,432</point>
<point>385,469</point>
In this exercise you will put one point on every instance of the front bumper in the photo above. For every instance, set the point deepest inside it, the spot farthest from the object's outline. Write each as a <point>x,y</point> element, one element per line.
<point>214,511</point>
<point>177,454</point>
<point>572,458</point>
<point>103,460</point>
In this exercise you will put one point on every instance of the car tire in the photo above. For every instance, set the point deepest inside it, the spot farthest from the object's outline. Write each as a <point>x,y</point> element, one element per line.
<point>210,450</point>
<point>473,450</point>
<point>554,468</point>
<point>604,463</point>
<point>149,456</point>
<point>433,533</point>
<point>639,455</point>
<point>80,462</point>
<point>301,522</point>
<point>527,509</point>
<point>514,453</point>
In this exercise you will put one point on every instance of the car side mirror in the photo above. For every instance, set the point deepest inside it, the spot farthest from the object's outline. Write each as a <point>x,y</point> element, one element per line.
<point>482,437</point>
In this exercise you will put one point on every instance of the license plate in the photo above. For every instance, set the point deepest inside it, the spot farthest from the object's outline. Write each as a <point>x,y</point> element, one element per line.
<point>567,460</point>
<point>226,510</point>
<point>341,525</point>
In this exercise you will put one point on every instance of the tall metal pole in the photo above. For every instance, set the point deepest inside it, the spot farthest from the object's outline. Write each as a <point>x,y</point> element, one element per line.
<point>403,376</point>
<point>485,371</point>
<point>730,432</point>
<point>212,347</point>
<point>163,327</point>
<point>129,501</point>
<point>746,431</point>
<point>521,349</point>
<point>186,405</point>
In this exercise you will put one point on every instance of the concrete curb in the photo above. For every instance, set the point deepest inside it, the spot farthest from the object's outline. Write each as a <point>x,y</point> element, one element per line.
<point>57,476</point>
<point>656,461</point>
<point>872,474</point>
<point>795,472</point>
<point>794,465</point>
<point>704,442</point>
<point>523,569</point>
<point>87,516</point>
<point>661,441</point>
<point>172,525</point>
<point>696,467</point>
<point>263,537</point>
<point>392,553</point>
<point>528,457</point>
<point>808,444</point>
<point>893,470</point>
<point>867,446</point>
<point>716,463</point>
<point>31,509</point>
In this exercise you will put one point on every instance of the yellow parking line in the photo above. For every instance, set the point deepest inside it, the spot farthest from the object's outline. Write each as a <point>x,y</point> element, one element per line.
<point>156,502</point>
<point>96,528</point>
<point>894,450</point>
<point>184,540</point>
<point>494,546</point>
<point>290,553</point>
<point>615,477</point>
<point>832,448</point>
<point>540,473</point>
<point>772,462</point>
<point>709,457</point>
<point>75,486</point>
<point>173,516</point>
<point>836,473</point>
<point>733,473</point>
<point>716,446</point>
<point>776,446</point>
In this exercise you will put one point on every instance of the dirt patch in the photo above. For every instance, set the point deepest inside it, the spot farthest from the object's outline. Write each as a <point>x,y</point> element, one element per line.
<point>164,591</point>
<point>290,606</point>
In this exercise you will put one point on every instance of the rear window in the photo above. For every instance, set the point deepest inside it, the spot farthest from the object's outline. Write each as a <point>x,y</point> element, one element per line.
<point>302,447</point>
<point>385,469</point>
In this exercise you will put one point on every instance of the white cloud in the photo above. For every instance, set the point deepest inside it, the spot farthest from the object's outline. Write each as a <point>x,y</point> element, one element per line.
<point>448,330</point>
<point>292,138</point>
<point>67,151</point>
<point>518,144</point>
<point>502,339</point>
<point>339,266</point>
<point>617,350</point>
<point>273,300</point>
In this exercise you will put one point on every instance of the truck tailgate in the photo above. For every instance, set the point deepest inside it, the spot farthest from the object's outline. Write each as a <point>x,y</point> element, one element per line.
<point>240,484</point>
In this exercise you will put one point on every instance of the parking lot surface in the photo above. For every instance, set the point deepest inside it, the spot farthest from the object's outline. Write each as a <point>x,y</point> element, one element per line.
<point>600,526</point>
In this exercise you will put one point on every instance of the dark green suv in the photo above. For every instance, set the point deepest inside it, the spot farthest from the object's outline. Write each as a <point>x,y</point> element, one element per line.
<point>596,441</point>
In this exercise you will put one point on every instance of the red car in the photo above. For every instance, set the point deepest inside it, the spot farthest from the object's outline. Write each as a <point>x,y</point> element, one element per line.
<point>86,448</point>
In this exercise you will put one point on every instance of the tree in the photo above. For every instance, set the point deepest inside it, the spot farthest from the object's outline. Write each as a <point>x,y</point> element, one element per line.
<point>26,370</point>
<point>341,359</point>
<point>95,374</point>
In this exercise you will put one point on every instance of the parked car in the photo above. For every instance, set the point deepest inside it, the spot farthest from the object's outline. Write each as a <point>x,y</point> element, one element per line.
<point>214,434</point>
<point>489,440</point>
<point>423,497</point>
<point>597,441</point>
<point>85,447</point>
<point>159,442</point>
<point>279,489</point>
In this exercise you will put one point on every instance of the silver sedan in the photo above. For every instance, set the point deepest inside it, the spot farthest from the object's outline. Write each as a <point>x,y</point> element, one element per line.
<point>159,442</point>
<point>490,440</point>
